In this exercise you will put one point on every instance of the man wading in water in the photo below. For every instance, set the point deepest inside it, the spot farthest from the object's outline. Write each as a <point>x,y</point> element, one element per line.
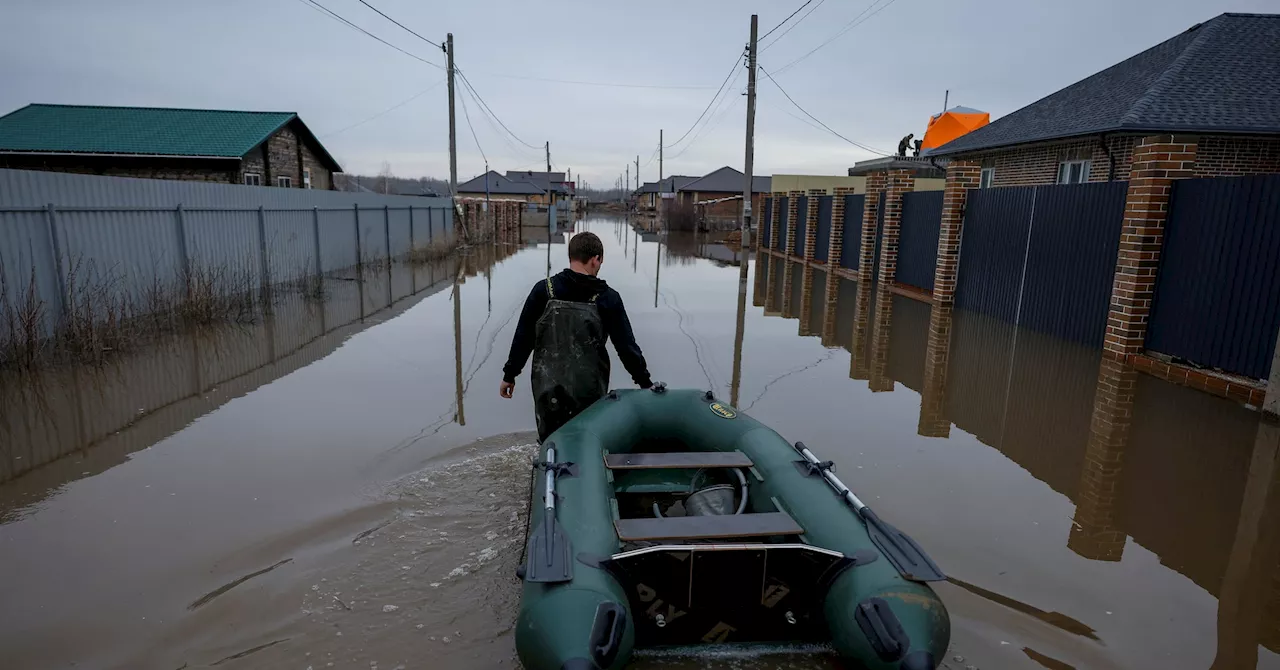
<point>565,323</point>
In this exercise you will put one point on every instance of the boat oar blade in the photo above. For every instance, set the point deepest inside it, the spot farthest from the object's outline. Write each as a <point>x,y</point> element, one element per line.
<point>550,556</point>
<point>900,550</point>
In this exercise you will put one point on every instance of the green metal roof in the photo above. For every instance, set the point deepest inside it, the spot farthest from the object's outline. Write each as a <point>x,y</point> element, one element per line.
<point>141,131</point>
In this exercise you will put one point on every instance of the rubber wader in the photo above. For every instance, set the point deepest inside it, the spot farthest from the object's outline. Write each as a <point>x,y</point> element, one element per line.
<point>569,372</point>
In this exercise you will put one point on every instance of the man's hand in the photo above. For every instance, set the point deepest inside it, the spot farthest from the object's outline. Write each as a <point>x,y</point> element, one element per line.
<point>507,389</point>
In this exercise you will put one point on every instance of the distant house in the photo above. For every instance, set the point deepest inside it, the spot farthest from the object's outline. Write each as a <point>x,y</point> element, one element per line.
<point>254,148</point>
<point>1215,84</point>
<point>650,193</point>
<point>498,187</point>
<point>723,184</point>
<point>554,182</point>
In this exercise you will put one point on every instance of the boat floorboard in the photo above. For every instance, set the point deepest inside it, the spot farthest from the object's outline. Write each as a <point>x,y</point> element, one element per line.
<point>707,527</point>
<point>678,459</point>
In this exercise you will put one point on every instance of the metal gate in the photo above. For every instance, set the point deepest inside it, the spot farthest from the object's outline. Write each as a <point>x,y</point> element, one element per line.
<point>802,224</point>
<point>918,239</point>
<point>851,243</point>
<point>784,208</point>
<point>823,242</point>
<point>766,222</point>
<point>1217,300</point>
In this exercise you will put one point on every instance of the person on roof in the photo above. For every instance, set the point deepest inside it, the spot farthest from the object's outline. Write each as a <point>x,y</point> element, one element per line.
<point>565,323</point>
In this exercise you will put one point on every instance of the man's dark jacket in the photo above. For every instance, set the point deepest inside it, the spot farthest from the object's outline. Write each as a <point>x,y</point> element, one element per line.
<point>577,287</point>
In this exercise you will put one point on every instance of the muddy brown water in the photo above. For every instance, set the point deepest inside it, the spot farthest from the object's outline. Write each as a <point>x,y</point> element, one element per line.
<point>309,492</point>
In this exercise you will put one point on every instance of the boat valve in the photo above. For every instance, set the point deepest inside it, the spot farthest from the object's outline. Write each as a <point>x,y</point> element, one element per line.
<point>791,618</point>
<point>661,621</point>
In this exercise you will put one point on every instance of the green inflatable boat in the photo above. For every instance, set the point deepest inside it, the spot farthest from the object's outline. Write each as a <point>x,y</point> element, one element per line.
<point>665,518</point>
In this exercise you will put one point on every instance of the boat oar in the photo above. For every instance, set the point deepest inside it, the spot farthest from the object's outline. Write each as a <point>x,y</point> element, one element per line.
<point>898,547</point>
<point>550,552</point>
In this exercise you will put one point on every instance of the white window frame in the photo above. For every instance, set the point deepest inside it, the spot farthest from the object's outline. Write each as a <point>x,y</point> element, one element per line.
<point>986,177</point>
<point>1065,168</point>
<point>252,179</point>
<point>306,178</point>
<point>284,182</point>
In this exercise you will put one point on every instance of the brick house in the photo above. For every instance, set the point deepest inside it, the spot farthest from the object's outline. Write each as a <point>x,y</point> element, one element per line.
<point>723,185</point>
<point>1208,85</point>
<point>237,147</point>
<point>650,193</point>
<point>498,187</point>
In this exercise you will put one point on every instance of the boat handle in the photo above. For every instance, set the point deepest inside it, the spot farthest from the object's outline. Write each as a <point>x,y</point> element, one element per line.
<point>606,633</point>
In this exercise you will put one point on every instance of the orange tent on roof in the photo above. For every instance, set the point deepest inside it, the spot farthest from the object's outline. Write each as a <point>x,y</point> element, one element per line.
<point>951,124</point>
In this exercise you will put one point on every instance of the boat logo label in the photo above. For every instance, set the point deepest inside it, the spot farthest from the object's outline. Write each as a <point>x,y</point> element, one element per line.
<point>723,411</point>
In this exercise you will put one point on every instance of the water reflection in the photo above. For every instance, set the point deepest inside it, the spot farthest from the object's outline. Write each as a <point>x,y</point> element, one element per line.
<point>1187,476</point>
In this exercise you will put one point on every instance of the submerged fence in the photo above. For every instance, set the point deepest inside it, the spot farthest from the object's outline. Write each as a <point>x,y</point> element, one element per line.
<point>60,233</point>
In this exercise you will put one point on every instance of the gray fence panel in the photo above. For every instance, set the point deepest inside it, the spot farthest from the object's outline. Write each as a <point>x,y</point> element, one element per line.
<point>399,229</point>
<point>1071,260</point>
<point>337,239</point>
<point>784,206</point>
<point>1217,300</point>
<point>26,265</point>
<point>225,244</point>
<point>440,224</point>
<point>822,243</point>
<point>126,254</point>
<point>291,244</point>
<point>802,225</point>
<point>851,247</point>
<point>373,243</point>
<point>993,247</point>
<point>918,240</point>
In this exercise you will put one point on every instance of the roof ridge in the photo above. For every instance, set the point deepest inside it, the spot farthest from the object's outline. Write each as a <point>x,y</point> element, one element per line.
<point>1170,74</point>
<point>160,109</point>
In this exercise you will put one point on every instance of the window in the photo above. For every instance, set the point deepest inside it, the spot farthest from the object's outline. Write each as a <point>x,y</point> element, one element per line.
<point>988,175</point>
<point>284,182</point>
<point>252,179</point>
<point>306,178</point>
<point>1073,172</point>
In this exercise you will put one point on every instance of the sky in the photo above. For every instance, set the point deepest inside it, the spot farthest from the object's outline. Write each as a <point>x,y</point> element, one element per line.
<point>596,79</point>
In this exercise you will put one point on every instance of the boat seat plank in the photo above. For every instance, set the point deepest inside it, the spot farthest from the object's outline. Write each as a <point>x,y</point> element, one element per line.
<point>707,527</point>
<point>678,459</point>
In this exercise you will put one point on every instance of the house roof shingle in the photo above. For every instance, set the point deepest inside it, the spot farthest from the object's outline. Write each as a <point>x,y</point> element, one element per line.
<point>144,131</point>
<point>499,185</point>
<point>1222,76</point>
<point>726,180</point>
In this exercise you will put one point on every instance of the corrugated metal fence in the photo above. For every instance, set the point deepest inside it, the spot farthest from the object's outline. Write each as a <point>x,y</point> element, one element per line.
<point>851,244</point>
<point>1043,256</point>
<point>60,233</point>
<point>784,204</point>
<point>766,221</point>
<point>802,226</point>
<point>1217,298</point>
<point>918,240</point>
<point>823,242</point>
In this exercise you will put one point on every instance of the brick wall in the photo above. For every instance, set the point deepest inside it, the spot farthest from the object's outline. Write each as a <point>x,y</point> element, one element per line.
<point>284,155</point>
<point>1234,156</point>
<point>1038,163</point>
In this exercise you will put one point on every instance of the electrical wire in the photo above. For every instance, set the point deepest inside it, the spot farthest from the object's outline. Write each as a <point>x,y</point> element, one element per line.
<point>406,28</point>
<point>467,115</point>
<point>732,70</point>
<point>819,122</point>
<point>338,17</point>
<point>685,87</point>
<point>847,27</point>
<point>467,82</point>
<point>714,120</point>
<point>388,110</point>
<point>792,26</point>
<point>806,4</point>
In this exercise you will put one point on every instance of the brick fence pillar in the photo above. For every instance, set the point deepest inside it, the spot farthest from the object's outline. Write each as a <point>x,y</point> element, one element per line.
<point>861,326</point>
<point>961,176</point>
<point>835,244</point>
<point>809,244</point>
<point>806,301</point>
<point>880,381</point>
<point>778,218</point>
<point>900,183</point>
<point>933,396</point>
<point>767,205</point>
<point>876,182</point>
<point>1158,160</point>
<point>793,205</point>
<point>758,280</point>
<point>788,308</point>
<point>771,306</point>
<point>1096,533</point>
<point>830,309</point>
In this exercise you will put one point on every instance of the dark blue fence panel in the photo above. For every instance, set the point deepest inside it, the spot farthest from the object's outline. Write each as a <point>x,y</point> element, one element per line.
<point>918,240</point>
<point>993,246</point>
<point>1071,260</point>
<point>784,206</point>
<point>823,241</point>
<point>1217,300</point>
<point>766,222</point>
<point>802,224</point>
<point>851,245</point>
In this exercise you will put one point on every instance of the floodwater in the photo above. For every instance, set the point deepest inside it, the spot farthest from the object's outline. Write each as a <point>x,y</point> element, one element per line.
<point>341,485</point>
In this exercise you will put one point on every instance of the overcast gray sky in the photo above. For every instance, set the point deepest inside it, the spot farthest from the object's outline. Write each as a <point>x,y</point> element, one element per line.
<point>878,81</point>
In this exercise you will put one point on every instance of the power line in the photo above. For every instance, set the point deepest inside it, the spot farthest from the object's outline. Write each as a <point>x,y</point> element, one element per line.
<point>732,70</point>
<point>467,82</point>
<point>792,26</point>
<point>388,110</point>
<point>516,151</point>
<point>379,11</point>
<point>847,27</point>
<point>594,83</point>
<point>466,115</point>
<point>806,4</point>
<point>338,17</point>
<point>828,128</point>
<point>720,113</point>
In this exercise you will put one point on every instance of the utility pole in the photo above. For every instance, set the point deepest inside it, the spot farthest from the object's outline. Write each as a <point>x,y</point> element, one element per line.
<point>659,155</point>
<point>626,181</point>
<point>551,197</point>
<point>453,130</point>
<point>637,172</point>
<point>748,167</point>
